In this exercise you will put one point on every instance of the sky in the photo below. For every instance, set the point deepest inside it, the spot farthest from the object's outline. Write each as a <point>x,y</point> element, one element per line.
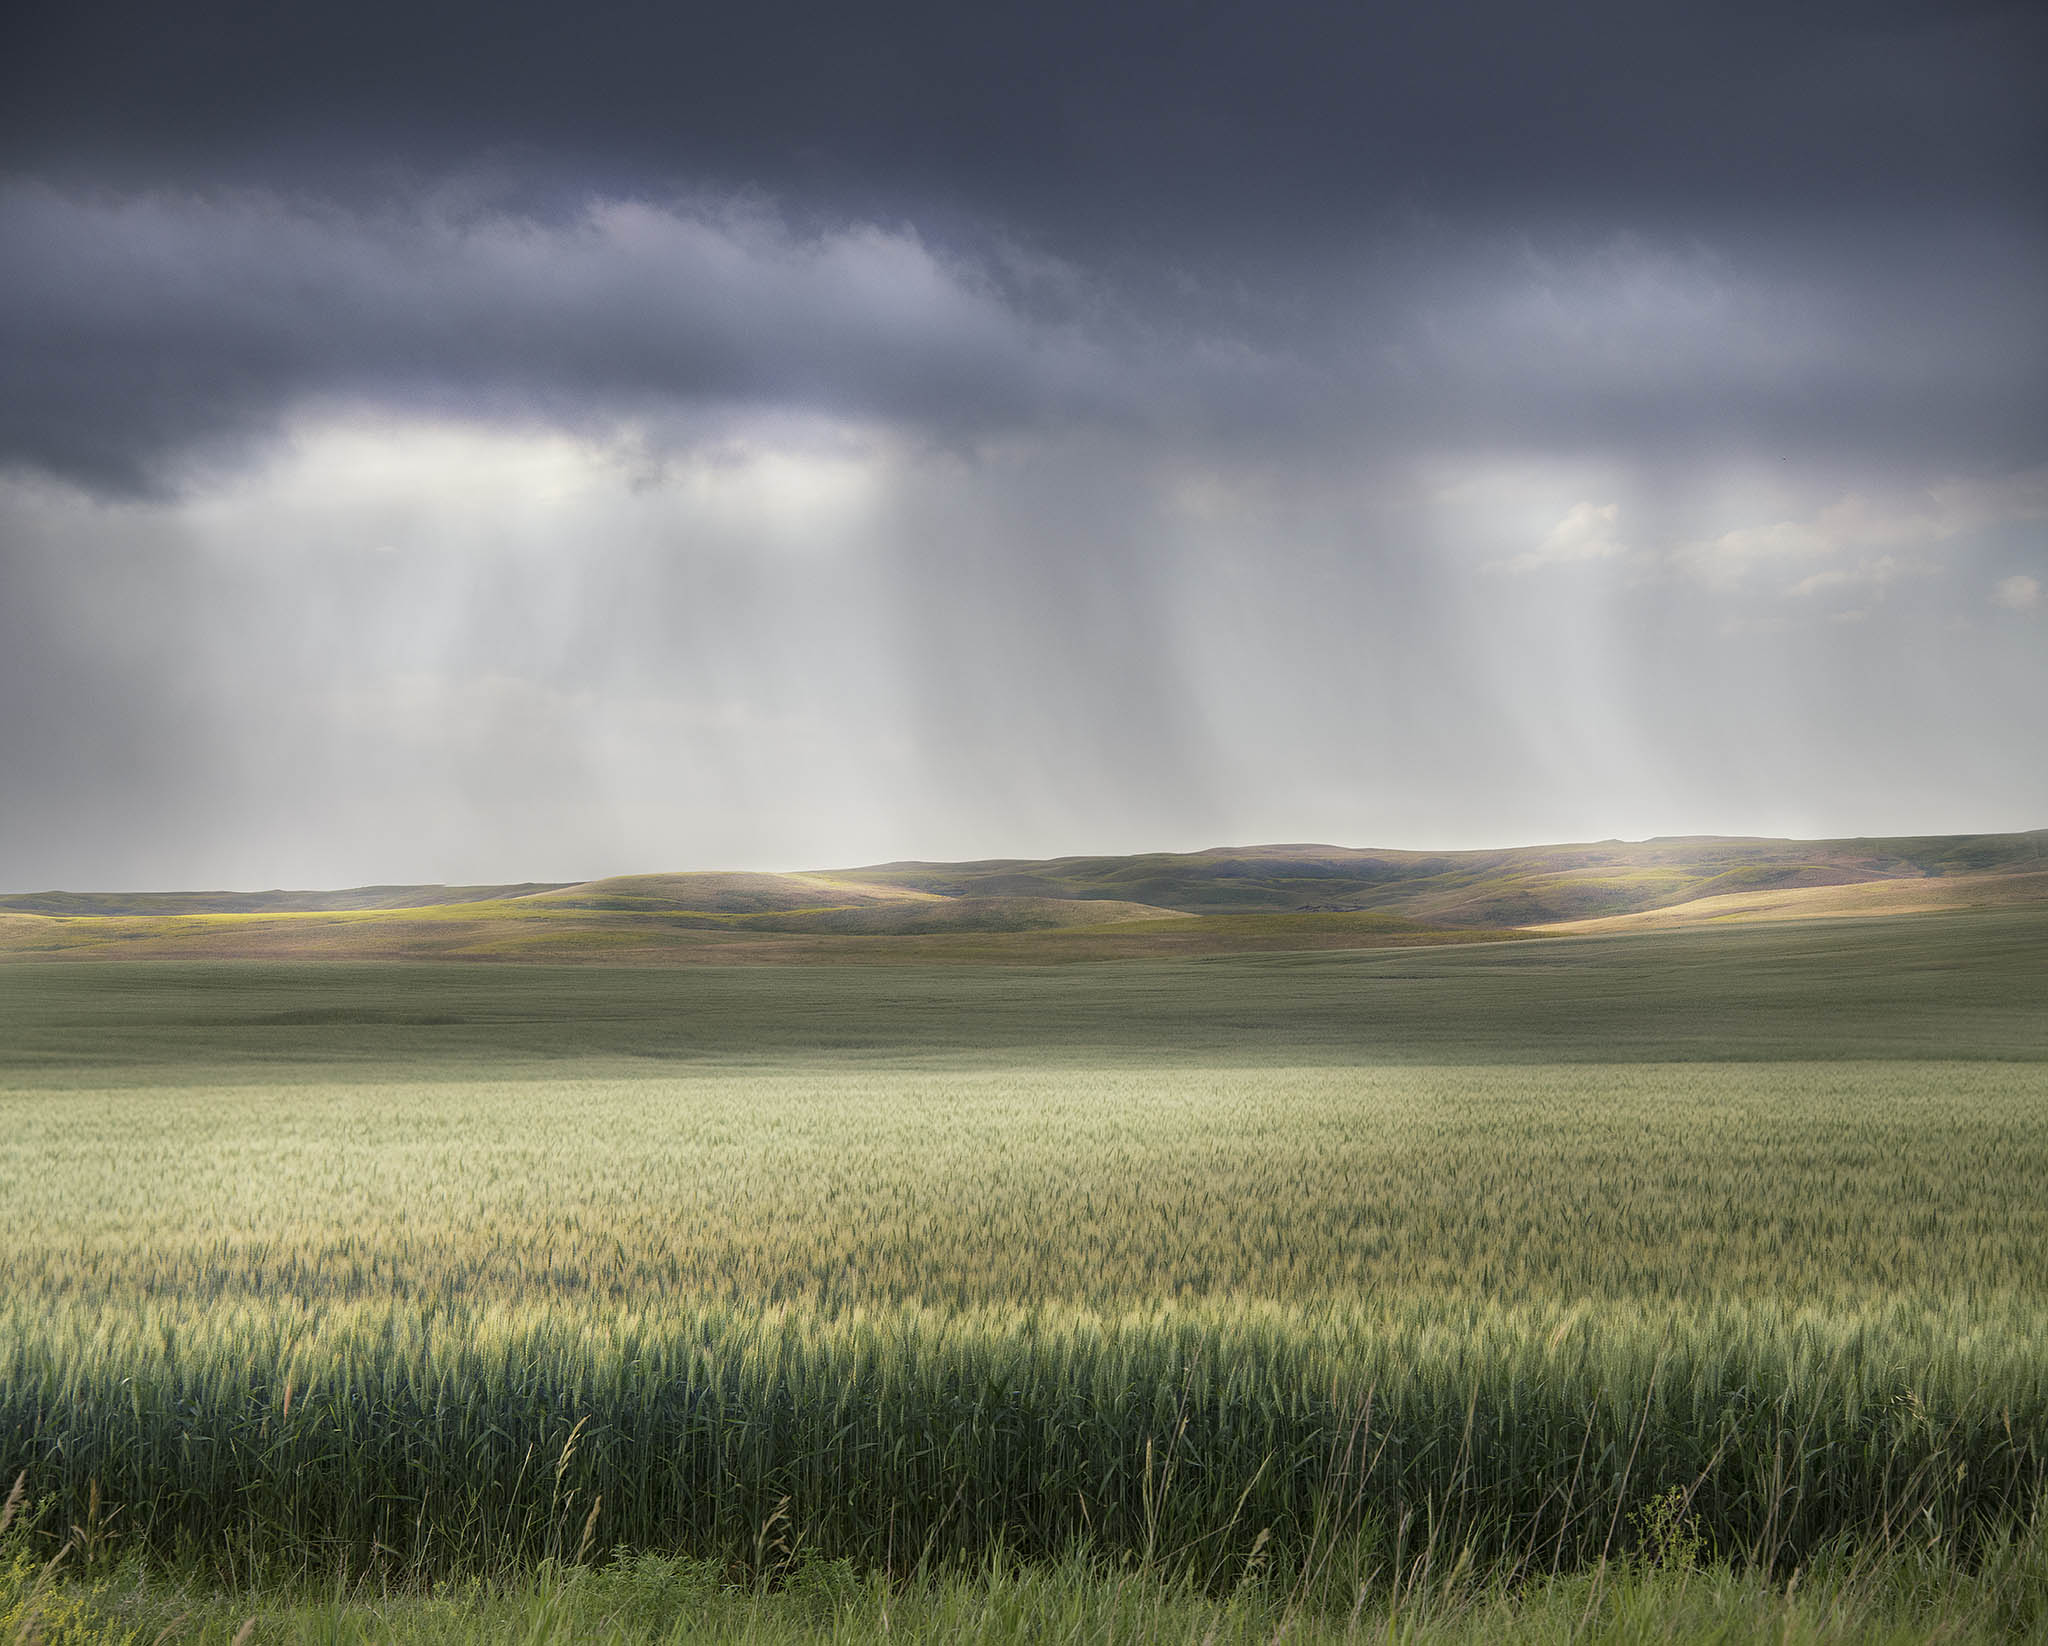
<point>449,442</point>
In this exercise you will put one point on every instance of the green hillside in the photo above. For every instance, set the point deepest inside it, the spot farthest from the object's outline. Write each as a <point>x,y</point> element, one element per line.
<point>1516,886</point>
<point>1235,900</point>
<point>271,902</point>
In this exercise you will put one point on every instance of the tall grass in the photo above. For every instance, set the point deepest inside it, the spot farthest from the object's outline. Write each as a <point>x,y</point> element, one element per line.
<point>426,1440</point>
<point>1807,1185</point>
<point>1209,1320</point>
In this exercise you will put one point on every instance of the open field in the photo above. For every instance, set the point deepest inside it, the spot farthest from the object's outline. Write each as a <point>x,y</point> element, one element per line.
<point>1496,1309</point>
<point>1385,1265</point>
<point>1967,985</point>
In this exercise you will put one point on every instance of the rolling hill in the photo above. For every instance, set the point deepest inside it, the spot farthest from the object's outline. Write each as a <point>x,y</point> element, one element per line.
<point>1517,886</point>
<point>272,902</point>
<point>1224,901</point>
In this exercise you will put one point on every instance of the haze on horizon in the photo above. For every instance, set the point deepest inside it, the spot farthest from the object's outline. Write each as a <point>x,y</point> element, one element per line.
<point>463,444</point>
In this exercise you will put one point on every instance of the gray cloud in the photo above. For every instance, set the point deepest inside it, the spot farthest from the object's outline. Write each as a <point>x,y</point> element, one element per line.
<point>660,438</point>
<point>141,325</point>
<point>138,329</point>
<point>1093,126</point>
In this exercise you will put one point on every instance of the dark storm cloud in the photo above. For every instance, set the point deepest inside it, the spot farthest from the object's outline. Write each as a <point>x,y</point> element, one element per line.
<point>1302,224</point>
<point>139,329</point>
<point>131,327</point>
<point>1161,111</point>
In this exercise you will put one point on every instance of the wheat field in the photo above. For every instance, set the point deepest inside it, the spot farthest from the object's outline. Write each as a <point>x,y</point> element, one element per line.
<point>890,1315</point>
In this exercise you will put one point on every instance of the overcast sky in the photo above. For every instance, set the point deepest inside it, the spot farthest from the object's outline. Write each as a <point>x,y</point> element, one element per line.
<point>463,442</point>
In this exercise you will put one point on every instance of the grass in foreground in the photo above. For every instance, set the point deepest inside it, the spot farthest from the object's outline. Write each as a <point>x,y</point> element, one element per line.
<point>1909,1597</point>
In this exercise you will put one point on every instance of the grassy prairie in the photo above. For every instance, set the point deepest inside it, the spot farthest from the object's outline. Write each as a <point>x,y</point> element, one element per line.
<point>1839,1185</point>
<point>957,1309</point>
<point>1956,986</point>
<point>1432,1269</point>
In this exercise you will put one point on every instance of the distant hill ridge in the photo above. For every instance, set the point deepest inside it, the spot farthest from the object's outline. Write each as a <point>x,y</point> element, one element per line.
<point>1512,886</point>
<point>1224,900</point>
<point>271,902</point>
